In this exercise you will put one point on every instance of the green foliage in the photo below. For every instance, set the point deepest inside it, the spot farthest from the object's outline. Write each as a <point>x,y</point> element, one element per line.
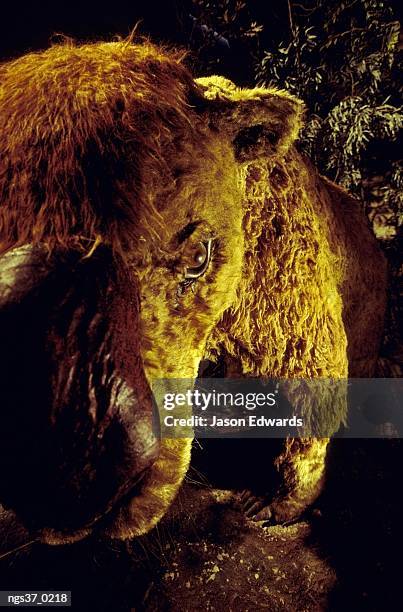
<point>342,59</point>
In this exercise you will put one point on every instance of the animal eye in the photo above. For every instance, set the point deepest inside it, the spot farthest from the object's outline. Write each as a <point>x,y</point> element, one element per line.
<point>200,257</point>
<point>198,261</point>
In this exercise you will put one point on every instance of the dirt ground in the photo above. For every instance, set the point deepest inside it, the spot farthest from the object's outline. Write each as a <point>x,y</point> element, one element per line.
<point>223,560</point>
<point>205,555</point>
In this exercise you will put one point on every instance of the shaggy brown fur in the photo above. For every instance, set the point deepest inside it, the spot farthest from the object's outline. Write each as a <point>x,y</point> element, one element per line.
<point>114,143</point>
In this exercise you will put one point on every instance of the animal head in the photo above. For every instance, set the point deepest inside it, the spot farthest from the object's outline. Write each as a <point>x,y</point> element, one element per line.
<point>125,232</point>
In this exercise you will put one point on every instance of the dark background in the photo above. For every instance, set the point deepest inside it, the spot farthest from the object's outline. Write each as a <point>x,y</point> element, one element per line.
<point>30,25</point>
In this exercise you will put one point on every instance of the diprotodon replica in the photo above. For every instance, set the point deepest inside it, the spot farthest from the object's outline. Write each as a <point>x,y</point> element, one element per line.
<point>148,221</point>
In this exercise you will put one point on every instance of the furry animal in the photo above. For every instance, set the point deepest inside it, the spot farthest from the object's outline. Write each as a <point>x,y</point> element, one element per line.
<point>149,221</point>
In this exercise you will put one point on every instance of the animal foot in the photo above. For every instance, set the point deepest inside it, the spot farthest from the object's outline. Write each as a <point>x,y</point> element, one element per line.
<point>260,508</point>
<point>255,507</point>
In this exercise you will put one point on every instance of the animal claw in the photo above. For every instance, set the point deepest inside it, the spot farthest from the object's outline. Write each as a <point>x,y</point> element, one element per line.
<point>265,514</point>
<point>250,503</point>
<point>255,508</point>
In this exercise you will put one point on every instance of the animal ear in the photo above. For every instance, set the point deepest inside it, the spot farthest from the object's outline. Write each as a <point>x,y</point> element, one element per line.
<point>259,122</point>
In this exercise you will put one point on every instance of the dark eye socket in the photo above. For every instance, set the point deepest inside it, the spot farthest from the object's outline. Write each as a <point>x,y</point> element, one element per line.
<point>201,258</point>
